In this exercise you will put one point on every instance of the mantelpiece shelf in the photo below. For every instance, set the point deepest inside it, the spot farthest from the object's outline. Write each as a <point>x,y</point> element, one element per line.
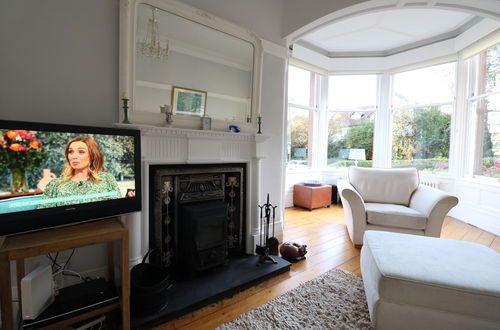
<point>194,133</point>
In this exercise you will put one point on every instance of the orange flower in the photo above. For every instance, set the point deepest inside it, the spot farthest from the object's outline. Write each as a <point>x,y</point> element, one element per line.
<point>15,146</point>
<point>35,144</point>
<point>12,135</point>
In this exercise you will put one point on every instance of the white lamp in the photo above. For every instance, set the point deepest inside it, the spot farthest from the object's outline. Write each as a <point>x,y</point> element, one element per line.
<point>357,154</point>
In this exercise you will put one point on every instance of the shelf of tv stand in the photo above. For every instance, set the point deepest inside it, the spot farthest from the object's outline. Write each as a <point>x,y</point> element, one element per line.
<point>18,248</point>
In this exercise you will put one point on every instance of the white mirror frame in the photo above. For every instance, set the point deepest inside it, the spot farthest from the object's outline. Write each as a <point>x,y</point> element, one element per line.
<point>127,60</point>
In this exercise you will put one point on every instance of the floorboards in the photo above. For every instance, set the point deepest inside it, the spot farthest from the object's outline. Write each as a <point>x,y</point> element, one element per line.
<point>328,245</point>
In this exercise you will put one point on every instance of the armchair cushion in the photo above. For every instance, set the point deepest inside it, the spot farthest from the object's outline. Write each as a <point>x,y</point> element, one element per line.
<point>391,186</point>
<point>392,215</point>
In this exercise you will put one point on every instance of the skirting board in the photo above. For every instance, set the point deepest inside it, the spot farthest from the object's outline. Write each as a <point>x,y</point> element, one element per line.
<point>476,216</point>
<point>278,233</point>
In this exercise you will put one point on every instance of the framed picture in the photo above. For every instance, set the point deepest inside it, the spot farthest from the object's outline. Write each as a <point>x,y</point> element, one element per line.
<point>189,102</point>
<point>206,123</point>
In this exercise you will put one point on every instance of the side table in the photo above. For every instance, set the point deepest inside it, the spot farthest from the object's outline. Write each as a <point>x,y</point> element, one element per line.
<point>18,248</point>
<point>312,197</point>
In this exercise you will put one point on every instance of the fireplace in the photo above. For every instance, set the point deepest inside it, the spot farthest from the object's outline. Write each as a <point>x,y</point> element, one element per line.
<point>199,216</point>
<point>181,167</point>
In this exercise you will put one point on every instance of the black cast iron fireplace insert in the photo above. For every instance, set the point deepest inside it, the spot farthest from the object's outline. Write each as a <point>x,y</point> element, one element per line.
<point>198,215</point>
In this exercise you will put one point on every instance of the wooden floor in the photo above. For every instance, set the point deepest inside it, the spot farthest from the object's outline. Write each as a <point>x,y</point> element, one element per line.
<point>328,245</point>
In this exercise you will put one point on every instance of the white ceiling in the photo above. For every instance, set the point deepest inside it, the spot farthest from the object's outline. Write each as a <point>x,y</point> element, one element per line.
<point>388,32</point>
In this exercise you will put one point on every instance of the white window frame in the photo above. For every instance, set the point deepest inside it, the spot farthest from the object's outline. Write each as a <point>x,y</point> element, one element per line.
<point>475,146</point>
<point>452,103</point>
<point>312,156</point>
<point>327,111</point>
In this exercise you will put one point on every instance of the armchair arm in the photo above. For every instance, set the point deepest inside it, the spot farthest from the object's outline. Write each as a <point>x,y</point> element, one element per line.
<point>434,204</point>
<point>354,211</point>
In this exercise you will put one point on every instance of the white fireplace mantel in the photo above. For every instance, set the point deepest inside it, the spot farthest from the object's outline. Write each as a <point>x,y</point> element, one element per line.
<point>164,145</point>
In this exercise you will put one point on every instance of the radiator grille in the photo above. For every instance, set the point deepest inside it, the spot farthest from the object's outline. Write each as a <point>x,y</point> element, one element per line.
<point>430,182</point>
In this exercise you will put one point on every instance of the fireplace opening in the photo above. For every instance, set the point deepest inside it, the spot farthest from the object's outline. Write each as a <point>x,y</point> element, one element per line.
<point>203,235</point>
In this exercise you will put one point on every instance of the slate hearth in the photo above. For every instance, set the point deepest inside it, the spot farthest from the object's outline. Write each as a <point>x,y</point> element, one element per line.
<point>187,295</point>
<point>198,224</point>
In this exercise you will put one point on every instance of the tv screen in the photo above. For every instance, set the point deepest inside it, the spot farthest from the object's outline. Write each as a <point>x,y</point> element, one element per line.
<point>55,175</point>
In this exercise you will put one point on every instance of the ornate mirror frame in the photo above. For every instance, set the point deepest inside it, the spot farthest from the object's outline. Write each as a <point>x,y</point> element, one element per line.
<point>127,61</point>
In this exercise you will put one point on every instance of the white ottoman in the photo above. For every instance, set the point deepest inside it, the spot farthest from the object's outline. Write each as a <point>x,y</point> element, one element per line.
<point>418,282</point>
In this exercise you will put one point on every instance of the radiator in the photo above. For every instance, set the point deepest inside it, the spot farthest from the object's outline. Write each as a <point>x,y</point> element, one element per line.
<point>430,182</point>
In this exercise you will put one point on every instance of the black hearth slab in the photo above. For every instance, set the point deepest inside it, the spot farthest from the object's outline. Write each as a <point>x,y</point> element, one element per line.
<point>190,294</point>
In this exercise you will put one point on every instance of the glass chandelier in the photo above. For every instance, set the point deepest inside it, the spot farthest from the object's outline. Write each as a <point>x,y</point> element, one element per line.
<point>150,46</point>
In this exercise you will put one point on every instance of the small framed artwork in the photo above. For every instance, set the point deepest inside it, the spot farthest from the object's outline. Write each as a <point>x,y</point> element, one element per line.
<point>188,102</point>
<point>206,123</point>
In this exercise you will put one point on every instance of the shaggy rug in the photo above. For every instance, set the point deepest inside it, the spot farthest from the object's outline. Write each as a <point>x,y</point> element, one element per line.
<point>334,300</point>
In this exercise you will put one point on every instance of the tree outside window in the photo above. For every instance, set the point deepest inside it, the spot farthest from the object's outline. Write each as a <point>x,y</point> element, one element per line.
<point>422,103</point>
<point>352,101</point>
<point>484,105</point>
<point>301,106</point>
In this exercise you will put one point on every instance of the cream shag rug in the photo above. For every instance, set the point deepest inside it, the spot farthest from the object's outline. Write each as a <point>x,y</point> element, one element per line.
<point>334,300</point>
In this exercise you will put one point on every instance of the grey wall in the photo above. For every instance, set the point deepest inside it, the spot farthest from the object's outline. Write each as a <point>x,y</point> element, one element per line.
<point>59,61</point>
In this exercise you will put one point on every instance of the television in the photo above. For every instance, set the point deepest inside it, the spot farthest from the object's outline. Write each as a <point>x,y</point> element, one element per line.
<point>54,175</point>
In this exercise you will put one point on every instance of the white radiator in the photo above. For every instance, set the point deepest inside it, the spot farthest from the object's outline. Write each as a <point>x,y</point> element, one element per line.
<point>431,182</point>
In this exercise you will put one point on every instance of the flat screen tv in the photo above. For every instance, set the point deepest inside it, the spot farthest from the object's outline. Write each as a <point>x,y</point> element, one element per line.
<point>55,175</point>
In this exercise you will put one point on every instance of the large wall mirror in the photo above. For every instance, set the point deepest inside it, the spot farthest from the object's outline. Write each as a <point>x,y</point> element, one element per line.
<point>176,55</point>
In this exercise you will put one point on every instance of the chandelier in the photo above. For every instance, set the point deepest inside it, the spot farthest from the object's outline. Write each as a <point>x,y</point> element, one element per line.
<point>150,46</point>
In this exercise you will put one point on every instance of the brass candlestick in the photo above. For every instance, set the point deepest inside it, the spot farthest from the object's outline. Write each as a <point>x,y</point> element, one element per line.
<point>125,111</point>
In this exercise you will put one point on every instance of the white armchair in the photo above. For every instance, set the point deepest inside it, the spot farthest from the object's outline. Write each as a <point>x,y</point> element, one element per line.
<point>391,200</point>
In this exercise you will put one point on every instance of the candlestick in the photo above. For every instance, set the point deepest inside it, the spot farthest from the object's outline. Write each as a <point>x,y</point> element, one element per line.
<point>125,110</point>
<point>259,121</point>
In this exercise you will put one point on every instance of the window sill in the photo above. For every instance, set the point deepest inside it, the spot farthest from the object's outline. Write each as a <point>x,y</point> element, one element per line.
<point>492,182</point>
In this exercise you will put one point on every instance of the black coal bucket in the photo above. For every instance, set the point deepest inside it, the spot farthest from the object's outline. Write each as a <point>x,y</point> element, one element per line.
<point>148,287</point>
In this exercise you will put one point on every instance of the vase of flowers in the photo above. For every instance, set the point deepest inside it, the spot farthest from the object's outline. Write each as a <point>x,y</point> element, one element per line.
<point>20,151</point>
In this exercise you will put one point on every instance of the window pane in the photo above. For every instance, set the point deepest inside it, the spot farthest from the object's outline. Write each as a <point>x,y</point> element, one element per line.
<point>301,86</point>
<point>435,84</point>
<point>488,111</point>
<point>421,138</point>
<point>488,70</point>
<point>356,92</point>
<point>347,131</point>
<point>298,135</point>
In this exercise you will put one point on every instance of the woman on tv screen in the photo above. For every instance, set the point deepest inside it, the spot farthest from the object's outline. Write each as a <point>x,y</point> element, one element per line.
<point>84,178</point>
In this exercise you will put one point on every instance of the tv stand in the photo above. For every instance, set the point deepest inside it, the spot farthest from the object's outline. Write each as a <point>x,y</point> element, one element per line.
<point>18,248</point>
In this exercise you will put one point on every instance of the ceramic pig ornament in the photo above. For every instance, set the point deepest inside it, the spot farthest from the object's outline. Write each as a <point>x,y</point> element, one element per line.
<point>293,251</point>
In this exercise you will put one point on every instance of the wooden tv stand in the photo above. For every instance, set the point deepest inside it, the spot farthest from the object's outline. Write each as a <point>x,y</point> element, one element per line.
<point>18,248</point>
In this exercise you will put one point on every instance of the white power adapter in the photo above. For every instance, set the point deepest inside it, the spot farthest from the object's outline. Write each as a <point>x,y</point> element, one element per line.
<point>37,292</point>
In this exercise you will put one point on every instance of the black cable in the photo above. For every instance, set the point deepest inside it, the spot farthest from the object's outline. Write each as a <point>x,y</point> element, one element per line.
<point>67,261</point>
<point>54,262</point>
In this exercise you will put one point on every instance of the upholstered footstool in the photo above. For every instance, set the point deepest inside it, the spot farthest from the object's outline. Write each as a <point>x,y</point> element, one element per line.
<point>418,282</point>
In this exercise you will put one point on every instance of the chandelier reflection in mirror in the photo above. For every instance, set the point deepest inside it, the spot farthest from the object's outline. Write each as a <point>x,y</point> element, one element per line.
<point>150,46</point>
